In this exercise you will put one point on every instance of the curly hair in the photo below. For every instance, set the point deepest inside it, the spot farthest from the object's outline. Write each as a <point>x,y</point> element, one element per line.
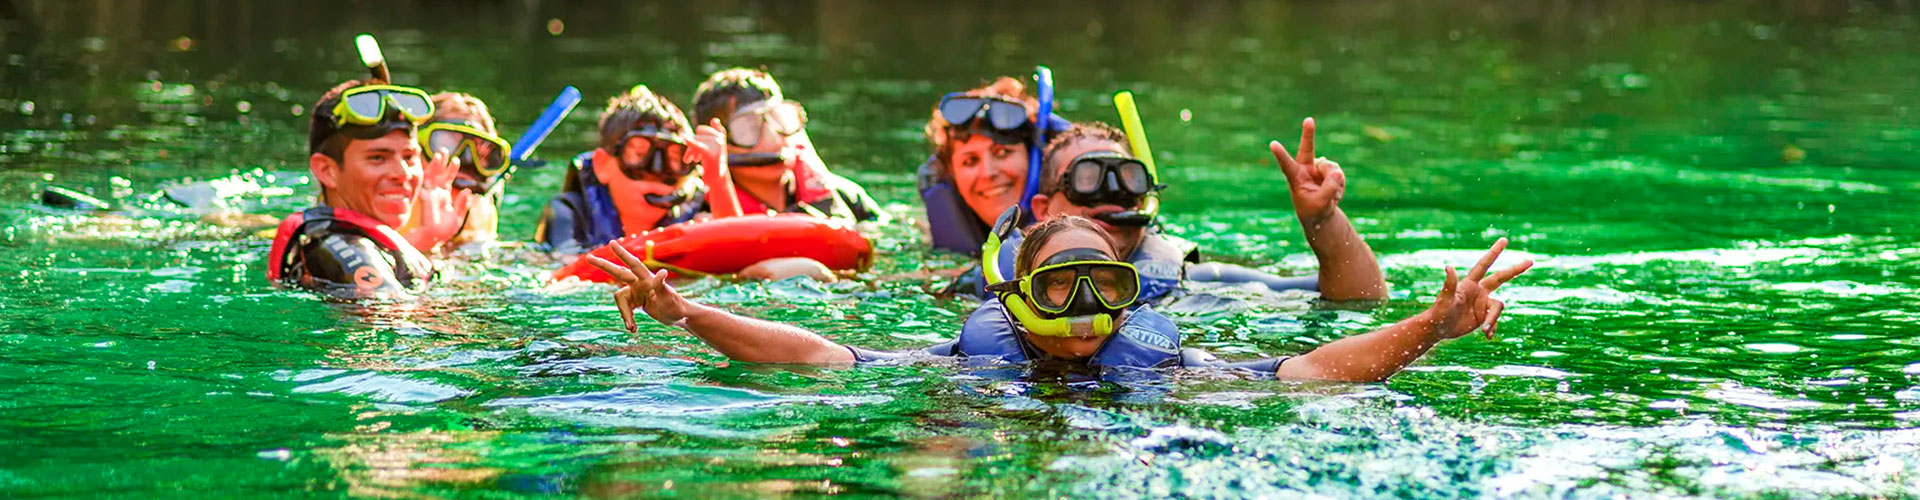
<point>730,89</point>
<point>1037,236</point>
<point>1080,131</point>
<point>635,108</point>
<point>463,106</point>
<point>939,131</point>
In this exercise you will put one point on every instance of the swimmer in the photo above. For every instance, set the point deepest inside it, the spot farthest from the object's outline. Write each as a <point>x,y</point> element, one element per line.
<point>465,176</point>
<point>770,160</point>
<point>643,176</point>
<point>1089,171</point>
<point>979,165</point>
<point>1073,300</point>
<point>363,153</point>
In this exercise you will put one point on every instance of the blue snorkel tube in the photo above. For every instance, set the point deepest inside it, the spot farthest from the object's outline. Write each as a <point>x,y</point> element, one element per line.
<point>549,120</point>
<point>1043,121</point>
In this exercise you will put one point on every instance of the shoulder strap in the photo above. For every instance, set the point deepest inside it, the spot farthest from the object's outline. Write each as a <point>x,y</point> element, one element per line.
<point>282,240</point>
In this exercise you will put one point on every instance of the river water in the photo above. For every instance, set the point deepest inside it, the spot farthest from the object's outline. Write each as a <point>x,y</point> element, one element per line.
<point>1719,195</point>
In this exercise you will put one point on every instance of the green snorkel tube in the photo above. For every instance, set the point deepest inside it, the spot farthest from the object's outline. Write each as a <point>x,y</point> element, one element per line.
<point>1137,141</point>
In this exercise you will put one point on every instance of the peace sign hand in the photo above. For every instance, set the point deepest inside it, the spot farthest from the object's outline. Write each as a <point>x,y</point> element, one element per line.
<point>1317,184</point>
<point>1465,306</point>
<point>647,290</point>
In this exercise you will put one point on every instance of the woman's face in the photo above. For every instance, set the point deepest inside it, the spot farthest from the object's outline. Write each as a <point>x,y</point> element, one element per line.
<point>989,175</point>
<point>1079,347</point>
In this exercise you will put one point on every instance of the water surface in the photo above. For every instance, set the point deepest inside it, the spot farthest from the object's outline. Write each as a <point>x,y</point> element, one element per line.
<point>1719,196</point>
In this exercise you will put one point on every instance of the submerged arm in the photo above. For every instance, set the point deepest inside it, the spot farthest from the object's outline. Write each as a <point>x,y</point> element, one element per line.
<point>760,341</point>
<point>1368,357</point>
<point>738,337</point>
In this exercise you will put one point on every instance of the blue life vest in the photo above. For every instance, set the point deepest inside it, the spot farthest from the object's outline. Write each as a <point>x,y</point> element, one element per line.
<point>1161,259</point>
<point>953,225</point>
<point>1145,339</point>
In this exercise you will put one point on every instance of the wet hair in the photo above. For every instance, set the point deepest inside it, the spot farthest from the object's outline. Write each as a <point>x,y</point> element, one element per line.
<point>1050,166</point>
<point>461,106</point>
<point>1037,235</point>
<point>939,131</point>
<point>637,108</point>
<point>732,89</point>
<point>321,132</point>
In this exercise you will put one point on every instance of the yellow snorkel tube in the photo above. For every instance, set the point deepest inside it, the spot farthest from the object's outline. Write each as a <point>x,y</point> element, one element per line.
<point>1137,141</point>
<point>1016,305</point>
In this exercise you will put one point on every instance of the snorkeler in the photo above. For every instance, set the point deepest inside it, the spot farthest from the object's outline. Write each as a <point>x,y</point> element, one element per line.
<point>980,162</point>
<point>465,176</point>
<point>1089,171</point>
<point>770,159</point>
<point>642,176</point>
<point>362,151</point>
<point>1072,300</point>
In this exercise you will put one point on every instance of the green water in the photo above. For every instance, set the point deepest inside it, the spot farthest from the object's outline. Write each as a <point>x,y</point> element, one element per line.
<point>1719,195</point>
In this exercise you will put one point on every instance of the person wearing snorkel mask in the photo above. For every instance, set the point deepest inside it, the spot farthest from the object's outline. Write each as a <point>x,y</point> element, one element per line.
<point>1072,300</point>
<point>772,162</point>
<point>363,153</point>
<point>642,176</point>
<point>1089,171</point>
<point>465,176</point>
<point>979,165</point>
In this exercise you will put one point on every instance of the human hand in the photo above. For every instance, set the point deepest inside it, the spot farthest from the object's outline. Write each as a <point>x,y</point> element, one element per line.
<point>642,288</point>
<point>438,209</point>
<point>1465,306</point>
<point>1316,184</point>
<point>709,146</point>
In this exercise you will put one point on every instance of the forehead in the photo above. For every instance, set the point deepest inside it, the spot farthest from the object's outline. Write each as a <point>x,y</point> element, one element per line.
<point>397,140</point>
<point>1070,239</point>
<point>1083,146</point>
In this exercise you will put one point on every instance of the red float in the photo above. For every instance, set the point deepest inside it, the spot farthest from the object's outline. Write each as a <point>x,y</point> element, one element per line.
<point>728,245</point>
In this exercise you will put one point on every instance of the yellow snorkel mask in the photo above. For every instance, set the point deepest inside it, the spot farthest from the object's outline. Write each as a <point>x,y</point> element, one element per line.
<point>1077,292</point>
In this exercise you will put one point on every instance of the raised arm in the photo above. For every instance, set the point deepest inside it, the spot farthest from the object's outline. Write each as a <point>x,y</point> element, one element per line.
<point>1461,308</point>
<point>738,337</point>
<point>1348,270</point>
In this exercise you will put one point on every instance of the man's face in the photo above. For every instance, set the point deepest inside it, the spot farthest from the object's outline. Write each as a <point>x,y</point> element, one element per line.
<point>1048,206</point>
<point>376,177</point>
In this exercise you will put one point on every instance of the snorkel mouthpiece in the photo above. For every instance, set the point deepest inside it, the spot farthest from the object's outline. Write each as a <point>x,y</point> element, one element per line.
<point>758,159</point>
<point>1127,218</point>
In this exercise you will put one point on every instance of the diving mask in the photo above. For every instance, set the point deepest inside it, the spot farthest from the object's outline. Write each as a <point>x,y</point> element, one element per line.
<point>1000,119</point>
<point>1077,292</point>
<point>662,153</point>
<point>366,105</point>
<point>482,156</point>
<point>1106,177</point>
<point>750,124</point>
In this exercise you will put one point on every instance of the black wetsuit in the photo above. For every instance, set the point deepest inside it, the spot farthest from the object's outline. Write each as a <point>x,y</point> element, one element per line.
<point>345,253</point>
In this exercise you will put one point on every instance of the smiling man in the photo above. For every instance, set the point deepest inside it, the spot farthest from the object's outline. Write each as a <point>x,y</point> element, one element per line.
<point>363,154</point>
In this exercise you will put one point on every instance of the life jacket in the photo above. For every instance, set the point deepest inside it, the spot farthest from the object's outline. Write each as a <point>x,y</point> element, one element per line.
<point>953,226</point>
<point>1160,259</point>
<point>286,260</point>
<point>809,185</point>
<point>585,214</point>
<point>1144,339</point>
